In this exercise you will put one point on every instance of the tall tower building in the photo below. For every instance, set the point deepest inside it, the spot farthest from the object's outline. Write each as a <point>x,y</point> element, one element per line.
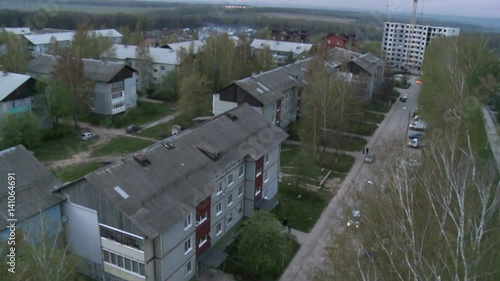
<point>401,40</point>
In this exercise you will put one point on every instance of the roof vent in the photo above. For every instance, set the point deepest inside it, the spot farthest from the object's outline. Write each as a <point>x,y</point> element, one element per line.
<point>168,145</point>
<point>142,160</point>
<point>231,116</point>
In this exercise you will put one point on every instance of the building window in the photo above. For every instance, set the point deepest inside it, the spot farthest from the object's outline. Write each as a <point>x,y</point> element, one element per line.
<point>219,188</point>
<point>241,171</point>
<point>257,191</point>
<point>187,221</point>
<point>117,95</point>
<point>218,228</point>
<point>266,176</point>
<point>117,85</point>
<point>189,268</point>
<point>240,190</point>
<point>239,207</point>
<point>124,262</point>
<point>218,208</point>
<point>230,180</point>
<point>162,67</point>
<point>266,158</point>
<point>259,172</point>
<point>230,199</point>
<point>229,218</point>
<point>202,218</point>
<point>187,246</point>
<point>118,105</point>
<point>203,240</point>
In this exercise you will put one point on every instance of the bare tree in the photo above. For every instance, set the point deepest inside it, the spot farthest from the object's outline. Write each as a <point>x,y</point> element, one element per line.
<point>144,63</point>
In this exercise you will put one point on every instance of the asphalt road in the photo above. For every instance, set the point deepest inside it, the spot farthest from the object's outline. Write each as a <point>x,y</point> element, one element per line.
<point>389,140</point>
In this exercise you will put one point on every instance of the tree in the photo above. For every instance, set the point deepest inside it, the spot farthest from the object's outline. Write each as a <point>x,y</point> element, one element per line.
<point>89,44</point>
<point>167,87</point>
<point>40,256</point>
<point>264,33</point>
<point>15,58</point>
<point>264,59</point>
<point>195,96</point>
<point>144,64</point>
<point>436,221</point>
<point>69,76</point>
<point>21,128</point>
<point>262,245</point>
<point>53,101</point>
<point>303,165</point>
<point>136,37</point>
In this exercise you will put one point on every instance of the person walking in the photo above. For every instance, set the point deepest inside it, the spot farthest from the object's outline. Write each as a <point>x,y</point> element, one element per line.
<point>285,222</point>
<point>289,228</point>
<point>367,150</point>
<point>363,151</point>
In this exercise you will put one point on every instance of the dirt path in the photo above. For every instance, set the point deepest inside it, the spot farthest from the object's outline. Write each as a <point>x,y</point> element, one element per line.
<point>105,135</point>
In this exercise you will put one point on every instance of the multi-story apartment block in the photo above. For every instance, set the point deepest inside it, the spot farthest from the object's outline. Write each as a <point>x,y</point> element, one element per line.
<point>283,52</point>
<point>276,93</point>
<point>115,88</point>
<point>16,91</point>
<point>156,214</point>
<point>39,44</point>
<point>404,46</point>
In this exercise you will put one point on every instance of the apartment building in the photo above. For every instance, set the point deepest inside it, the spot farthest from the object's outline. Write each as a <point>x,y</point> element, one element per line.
<point>155,215</point>
<point>115,88</point>
<point>16,91</point>
<point>282,52</point>
<point>404,46</point>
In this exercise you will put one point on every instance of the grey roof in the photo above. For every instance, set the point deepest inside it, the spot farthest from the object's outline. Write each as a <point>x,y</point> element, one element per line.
<point>267,204</point>
<point>44,39</point>
<point>369,63</point>
<point>98,70</point>
<point>268,87</point>
<point>33,184</point>
<point>282,46</point>
<point>213,257</point>
<point>9,82</point>
<point>160,194</point>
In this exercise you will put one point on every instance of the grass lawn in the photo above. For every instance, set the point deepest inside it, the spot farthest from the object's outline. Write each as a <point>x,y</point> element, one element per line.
<point>63,147</point>
<point>304,212</point>
<point>144,112</point>
<point>164,130</point>
<point>347,143</point>
<point>359,128</point>
<point>120,146</point>
<point>74,172</point>
<point>373,117</point>
<point>377,106</point>
<point>340,163</point>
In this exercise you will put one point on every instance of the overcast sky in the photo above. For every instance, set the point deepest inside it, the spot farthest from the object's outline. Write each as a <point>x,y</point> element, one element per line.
<point>473,8</point>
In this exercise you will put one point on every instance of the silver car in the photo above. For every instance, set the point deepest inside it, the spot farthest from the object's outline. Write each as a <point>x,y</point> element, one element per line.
<point>87,136</point>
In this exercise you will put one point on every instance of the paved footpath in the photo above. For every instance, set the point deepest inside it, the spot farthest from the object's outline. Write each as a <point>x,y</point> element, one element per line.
<point>493,133</point>
<point>312,251</point>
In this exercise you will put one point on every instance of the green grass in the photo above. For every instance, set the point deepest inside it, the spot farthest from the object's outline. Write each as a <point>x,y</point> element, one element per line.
<point>373,117</point>
<point>164,130</point>
<point>304,212</point>
<point>120,146</point>
<point>62,147</point>
<point>360,128</point>
<point>401,85</point>
<point>377,106</point>
<point>144,112</point>
<point>73,172</point>
<point>340,163</point>
<point>347,143</point>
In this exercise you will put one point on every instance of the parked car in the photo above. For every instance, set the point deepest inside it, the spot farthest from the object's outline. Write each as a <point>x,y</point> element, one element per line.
<point>370,158</point>
<point>354,221</point>
<point>416,136</point>
<point>418,125</point>
<point>87,136</point>
<point>493,107</point>
<point>416,118</point>
<point>415,143</point>
<point>133,129</point>
<point>419,81</point>
<point>403,98</point>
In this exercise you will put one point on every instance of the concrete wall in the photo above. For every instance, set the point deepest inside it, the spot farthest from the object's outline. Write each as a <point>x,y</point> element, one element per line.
<point>102,99</point>
<point>219,107</point>
<point>131,92</point>
<point>83,238</point>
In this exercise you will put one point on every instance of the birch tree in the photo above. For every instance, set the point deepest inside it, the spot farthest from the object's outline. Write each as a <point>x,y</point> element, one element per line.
<point>144,64</point>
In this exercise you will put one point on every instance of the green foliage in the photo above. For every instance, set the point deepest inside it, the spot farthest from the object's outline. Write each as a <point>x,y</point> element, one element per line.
<point>264,33</point>
<point>121,146</point>
<point>195,96</point>
<point>144,65</point>
<point>88,44</point>
<point>16,56</point>
<point>164,130</point>
<point>73,172</point>
<point>21,128</point>
<point>166,89</point>
<point>337,162</point>
<point>374,47</point>
<point>61,145</point>
<point>143,113</point>
<point>264,60</point>
<point>262,246</point>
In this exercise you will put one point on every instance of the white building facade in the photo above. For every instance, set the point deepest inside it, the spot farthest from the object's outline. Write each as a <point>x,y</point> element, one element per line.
<point>404,47</point>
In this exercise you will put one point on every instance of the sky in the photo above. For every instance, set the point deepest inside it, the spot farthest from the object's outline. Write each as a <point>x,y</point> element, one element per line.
<point>470,8</point>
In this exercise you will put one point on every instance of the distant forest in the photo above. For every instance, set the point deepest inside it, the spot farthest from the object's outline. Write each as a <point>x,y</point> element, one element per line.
<point>159,15</point>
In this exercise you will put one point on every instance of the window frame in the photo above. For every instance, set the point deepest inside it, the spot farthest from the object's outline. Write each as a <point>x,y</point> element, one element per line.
<point>240,190</point>
<point>230,197</point>
<point>241,171</point>
<point>230,179</point>
<point>188,246</point>
<point>218,208</point>
<point>188,221</point>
